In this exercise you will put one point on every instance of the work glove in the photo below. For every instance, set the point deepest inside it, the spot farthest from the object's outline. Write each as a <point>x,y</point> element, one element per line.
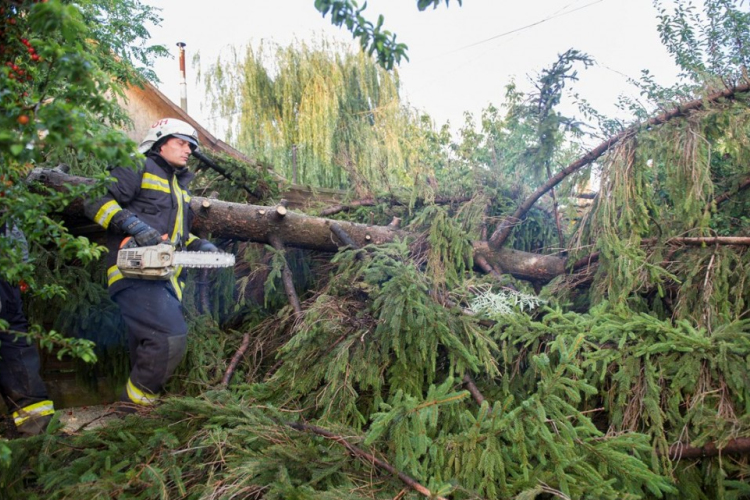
<point>207,246</point>
<point>143,234</point>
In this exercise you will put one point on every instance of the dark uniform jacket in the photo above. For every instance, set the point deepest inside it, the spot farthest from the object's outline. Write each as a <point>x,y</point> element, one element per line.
<point>158,195</point>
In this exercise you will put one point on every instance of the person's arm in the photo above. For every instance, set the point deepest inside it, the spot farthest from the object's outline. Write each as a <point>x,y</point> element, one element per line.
<point>195,244</point>
<point>107,211</point>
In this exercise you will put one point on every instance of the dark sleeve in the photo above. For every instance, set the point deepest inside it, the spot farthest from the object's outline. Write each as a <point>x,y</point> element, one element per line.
<point>125,186</point>
<point>194,243</point>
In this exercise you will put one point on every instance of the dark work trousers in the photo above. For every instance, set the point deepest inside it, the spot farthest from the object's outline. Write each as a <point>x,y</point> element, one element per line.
<point>157,336</point>
<point>21,385</point>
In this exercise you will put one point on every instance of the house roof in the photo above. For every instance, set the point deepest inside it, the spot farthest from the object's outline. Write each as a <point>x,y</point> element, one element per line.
<point>146,104</point>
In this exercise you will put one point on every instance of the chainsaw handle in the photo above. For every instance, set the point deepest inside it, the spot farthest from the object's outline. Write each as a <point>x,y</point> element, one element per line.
<point>129,241</point>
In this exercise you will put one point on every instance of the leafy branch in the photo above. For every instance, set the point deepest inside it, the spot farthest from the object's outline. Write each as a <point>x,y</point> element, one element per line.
<point>372,37</point>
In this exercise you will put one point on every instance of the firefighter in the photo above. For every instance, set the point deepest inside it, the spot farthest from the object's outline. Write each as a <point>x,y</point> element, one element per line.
<point>146,204</point>
<point>21,385</point>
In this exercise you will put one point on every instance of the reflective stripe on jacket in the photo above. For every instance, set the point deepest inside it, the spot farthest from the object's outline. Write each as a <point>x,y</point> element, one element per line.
<point>158,195</point>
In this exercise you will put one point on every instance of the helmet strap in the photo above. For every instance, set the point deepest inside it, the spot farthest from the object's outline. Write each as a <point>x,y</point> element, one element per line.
<point>156,148</point>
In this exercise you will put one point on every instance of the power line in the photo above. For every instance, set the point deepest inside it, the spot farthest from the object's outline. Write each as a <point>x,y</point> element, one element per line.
<point>527,26</point>
<point>559,13</point>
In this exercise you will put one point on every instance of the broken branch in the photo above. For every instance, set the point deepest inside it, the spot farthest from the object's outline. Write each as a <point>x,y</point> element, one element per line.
<point>501,234</point>
<point>412,483</point>
<point>236,359</point>
<point>286,275</point>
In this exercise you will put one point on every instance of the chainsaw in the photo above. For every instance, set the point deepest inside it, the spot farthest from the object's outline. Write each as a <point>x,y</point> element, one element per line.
<point>158,262</point>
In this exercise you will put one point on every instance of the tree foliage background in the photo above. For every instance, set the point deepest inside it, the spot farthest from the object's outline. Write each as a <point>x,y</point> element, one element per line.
<point>468,385</point>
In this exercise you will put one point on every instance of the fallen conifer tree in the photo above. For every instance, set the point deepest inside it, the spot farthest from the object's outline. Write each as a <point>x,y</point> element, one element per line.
<point>626,376</point>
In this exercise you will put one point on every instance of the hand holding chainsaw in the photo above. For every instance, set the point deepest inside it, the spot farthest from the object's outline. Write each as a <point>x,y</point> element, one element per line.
<point>204,246</point>
<point>143,234</point>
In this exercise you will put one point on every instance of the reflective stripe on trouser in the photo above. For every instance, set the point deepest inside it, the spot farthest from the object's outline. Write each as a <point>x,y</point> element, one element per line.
<point>21,385</point>
<point>41,409</point>
<point>139,397</point>
<point>157,336</point>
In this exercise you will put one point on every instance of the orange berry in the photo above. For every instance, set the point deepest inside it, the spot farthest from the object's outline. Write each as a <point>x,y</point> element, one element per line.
<point>23,119</point>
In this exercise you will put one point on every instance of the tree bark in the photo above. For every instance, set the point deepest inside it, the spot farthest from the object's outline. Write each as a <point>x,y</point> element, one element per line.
<point>236,359</point>
<point>258,223</point>
<point>286,276</point>
<point>681,451</point>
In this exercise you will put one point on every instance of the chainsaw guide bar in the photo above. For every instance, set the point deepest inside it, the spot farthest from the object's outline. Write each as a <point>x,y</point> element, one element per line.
<point>159,261</point>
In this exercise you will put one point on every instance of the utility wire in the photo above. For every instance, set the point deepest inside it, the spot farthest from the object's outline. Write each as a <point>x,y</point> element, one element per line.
<point>527,26</point>
<point>559,13</point>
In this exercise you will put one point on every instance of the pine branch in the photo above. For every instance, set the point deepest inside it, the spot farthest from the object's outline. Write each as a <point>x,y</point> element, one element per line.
<point>256,194</point>
<point>286,275</point>
<point>586,261</point>
<point>725,196</point>
<point>236,359</point>
<point>739,446</point>
<point>503,231</point>
<point>486,267</point>
<point>706,241</point>
<point>366,202</point>
<point>473,390</point>
<point>346,239</point>
<point>412,483</point>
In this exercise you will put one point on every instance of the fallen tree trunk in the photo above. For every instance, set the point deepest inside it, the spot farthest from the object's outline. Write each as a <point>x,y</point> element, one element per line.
<point>258,224</point>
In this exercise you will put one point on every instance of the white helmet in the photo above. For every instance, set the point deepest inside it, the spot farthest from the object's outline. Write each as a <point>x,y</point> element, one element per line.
<point>167,127</point>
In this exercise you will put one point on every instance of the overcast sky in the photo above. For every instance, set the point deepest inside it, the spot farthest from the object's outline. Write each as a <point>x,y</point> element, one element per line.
<point>461,57</point>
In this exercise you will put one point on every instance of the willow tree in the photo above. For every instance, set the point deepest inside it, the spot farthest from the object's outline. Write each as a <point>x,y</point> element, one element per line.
<point>321,115</point>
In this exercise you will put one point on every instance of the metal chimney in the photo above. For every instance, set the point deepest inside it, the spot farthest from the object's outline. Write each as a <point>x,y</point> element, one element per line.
<point>183,80</point>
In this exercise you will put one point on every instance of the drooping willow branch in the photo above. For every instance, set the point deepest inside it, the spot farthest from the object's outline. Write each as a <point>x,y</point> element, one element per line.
<point>503,231</point>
